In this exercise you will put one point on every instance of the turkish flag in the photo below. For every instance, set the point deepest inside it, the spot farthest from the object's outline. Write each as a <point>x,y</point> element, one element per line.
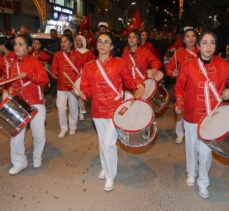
<point>136,23</point>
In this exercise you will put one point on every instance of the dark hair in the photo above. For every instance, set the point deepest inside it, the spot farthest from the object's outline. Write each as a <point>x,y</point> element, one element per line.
<point>203,34</point>
<point>147,32</point>
<point>7,43</point>
<point>109,34</point>
<point>137,34</point>
<point>27,38</point>
<point>69,38</point>
<point>53,30</point>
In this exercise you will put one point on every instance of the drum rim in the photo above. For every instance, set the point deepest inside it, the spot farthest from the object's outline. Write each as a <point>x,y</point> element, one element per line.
<point>133,131</point>
<point>154,92</point>
<point>4,101</point>
<point>202,119</point>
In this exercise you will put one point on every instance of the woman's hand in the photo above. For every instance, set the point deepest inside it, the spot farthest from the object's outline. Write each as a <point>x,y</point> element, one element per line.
<point>139,91</point>
<point>157,75</point>
<point>225,95</point>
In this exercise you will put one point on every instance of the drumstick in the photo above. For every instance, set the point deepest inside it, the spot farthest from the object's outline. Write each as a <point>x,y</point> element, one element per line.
<point>49,72</point>
<point>214,110</point>
<point>48,51</point>
<point>10,80</point>
<point>70,80</point>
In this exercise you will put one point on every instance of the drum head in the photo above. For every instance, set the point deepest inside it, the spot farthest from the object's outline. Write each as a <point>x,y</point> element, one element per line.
<point>150,89</point>
<point>133,117</point>
<point>216,126</point>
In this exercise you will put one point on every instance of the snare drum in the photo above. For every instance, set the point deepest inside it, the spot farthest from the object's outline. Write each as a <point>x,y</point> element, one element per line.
<point>15,113</point>
<point>150,89</point>
<point>135,124</point>
<point>160,100</point>
<point>214,130</point>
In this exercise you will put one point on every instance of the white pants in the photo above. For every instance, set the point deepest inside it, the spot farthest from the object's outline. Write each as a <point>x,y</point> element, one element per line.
<point>107,135</point>
<point>64,97</point>
<point>180,127</point>
<point>37,126</point>
<point>198,155</point>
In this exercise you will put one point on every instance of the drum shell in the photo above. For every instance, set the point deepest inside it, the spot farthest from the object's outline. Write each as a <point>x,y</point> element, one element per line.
<point>15,113</point>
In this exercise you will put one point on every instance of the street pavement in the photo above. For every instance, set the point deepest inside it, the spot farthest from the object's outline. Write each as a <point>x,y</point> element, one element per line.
<point>151,179</point>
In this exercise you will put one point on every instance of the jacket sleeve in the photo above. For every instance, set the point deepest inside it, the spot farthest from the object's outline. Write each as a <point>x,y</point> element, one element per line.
<point>181,83</point>
<point>153,61</point>
<point>55,65</point>
<point>84,84</point>
<point>37,74</point>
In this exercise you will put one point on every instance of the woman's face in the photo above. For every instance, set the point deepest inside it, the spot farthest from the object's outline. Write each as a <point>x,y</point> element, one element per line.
<point>78,43</point>
<point>144,37</point>
<point>190,39</point>
<point>65,44</point>
<point>20,47</point>
<point>132,39</point>
<point>36,45</point>
<point>207,46</point>
<point>104,44</point>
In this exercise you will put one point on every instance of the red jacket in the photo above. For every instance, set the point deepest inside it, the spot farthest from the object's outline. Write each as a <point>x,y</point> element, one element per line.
<point>182,55</point>
<point>5,62</point>
<point>42,56</point>
<point>189,87</point>
<point>93,85</point>
<point>143,59</point>
<point>29,87</point>
<point>86,57</point>
<point>60,65</point>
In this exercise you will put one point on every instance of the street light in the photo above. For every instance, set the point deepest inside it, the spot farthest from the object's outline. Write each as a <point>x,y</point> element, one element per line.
<point>121,19</point>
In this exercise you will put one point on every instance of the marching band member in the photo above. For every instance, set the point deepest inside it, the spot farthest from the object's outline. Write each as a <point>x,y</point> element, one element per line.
<point>6,58</point>
<point>198,89</point>
<point>174,66</point>
<point>86,56</point>
<point>102,82</point>
<point>32,76</point>
<point>138,59</point>
<point>41,55</point>
<point>145,41</point>
<point>66,61</point>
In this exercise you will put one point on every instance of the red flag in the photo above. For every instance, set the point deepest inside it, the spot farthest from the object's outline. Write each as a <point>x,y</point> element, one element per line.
<point>85,24</point>
<point>136,22</point>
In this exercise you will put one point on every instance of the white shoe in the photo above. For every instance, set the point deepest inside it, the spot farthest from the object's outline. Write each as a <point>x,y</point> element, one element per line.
<point>179,139</point>
<point>81,117</point>
<point>102,174</point>
<point>203,191</point>
<point>190,181</point>
<point>72,132</point>
<point>37,163</point>
<point>62,133</point>
<point>17,169</point>
<point>109,185</point>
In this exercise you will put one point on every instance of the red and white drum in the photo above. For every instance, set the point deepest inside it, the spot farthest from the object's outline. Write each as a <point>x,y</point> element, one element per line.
<point>15,113</point>
<point>150,89</point>
<point>135,124</point>
<point>214,130</point>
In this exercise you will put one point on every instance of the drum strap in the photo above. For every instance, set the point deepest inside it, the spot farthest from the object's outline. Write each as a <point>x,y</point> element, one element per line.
<point>191,52</point>
<point>71,64</point>
<point>7,67</point>
<point>209,85</point>
<point>135,68</point>
<point>108,81</point>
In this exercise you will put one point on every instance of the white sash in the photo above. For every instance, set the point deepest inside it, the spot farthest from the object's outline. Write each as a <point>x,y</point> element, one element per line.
<point>135,68</point>
<point>7,67</point>
<point>108,81</point>
<point>191,52</point>
<point>209,85</point>
<point>70,62</point>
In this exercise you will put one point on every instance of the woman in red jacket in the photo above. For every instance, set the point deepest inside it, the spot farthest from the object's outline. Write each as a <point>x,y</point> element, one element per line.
<point>87,56</point>
<point>192,100</point>
<point>145,42</point>
<point>66,61</point>
<point>174,66</point>
<point>99,76</point>
<point>138,59</point>
<point>32,76</point>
